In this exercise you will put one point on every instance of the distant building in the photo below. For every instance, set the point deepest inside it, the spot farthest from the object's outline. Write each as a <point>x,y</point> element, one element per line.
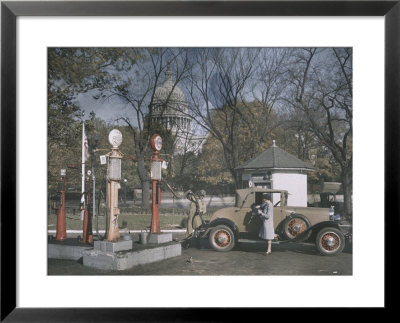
<point>276,169</point>
<point>170,109</point>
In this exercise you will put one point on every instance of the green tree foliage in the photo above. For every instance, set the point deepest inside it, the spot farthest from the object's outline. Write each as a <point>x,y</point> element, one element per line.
<point>62,130</point>
<point>84,69</point>
<point>72,71</point>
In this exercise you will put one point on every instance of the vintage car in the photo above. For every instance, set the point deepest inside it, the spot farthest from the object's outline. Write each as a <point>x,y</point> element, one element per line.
<point>228,226</point>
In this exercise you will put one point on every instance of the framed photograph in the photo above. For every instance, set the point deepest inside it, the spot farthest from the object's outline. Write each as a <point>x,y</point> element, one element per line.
<point>371,29</point>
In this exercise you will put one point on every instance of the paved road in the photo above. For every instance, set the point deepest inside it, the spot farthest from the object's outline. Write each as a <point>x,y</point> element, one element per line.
<point>245,259</point>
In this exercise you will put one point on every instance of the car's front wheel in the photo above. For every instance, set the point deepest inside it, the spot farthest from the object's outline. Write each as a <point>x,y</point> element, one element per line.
<point>222,238</point>
<point>330,241</point>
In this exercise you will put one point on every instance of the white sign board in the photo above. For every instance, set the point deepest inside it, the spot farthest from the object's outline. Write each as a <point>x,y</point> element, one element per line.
<point>155,172</point>
<point>103,159</point>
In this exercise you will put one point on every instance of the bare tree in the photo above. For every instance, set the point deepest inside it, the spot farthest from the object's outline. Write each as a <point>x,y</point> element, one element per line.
<point>234,96</point>
<point>219,86</point>
<point>321,90</point>
<point>270,83</point>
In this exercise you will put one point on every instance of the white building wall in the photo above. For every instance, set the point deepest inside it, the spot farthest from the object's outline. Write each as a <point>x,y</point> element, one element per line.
<point>294,183</point>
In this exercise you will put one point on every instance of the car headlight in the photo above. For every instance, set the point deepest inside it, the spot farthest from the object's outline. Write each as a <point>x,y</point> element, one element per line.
<point>336,217</point>
<point>332,215</point>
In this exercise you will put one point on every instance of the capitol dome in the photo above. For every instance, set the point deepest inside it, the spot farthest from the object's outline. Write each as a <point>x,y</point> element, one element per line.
<point>169,99</point>
<point>170,110</point>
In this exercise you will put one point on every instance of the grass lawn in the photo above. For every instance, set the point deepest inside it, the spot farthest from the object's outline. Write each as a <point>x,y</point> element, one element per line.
<point>130,218</point>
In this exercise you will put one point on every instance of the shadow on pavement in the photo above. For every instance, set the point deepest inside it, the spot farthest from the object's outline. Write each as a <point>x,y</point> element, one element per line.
<point>308,248</point>
<point>302,248</point>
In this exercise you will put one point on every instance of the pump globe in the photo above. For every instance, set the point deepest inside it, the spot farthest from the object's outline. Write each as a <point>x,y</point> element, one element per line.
<point>156,142</point>
<point>115,137</point>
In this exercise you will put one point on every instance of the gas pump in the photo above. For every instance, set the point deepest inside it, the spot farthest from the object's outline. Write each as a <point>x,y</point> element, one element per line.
<point>155,175</point>
<point>89,198</point>
<point>61,234</point>
<point>113,161</point>
<point>113,179</point>
<point>87,215</point>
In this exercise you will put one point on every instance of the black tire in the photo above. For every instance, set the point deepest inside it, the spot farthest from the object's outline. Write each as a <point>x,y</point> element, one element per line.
<point>186,244</point>
<point>221,238</point>
<point>296,225</point>
<point>330,241</point>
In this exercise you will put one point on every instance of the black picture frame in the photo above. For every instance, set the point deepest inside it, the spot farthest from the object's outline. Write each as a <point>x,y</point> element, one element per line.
<point>10,10</point>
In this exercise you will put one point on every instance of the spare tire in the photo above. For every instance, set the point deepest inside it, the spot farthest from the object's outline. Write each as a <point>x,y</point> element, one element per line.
<point>296,226</point>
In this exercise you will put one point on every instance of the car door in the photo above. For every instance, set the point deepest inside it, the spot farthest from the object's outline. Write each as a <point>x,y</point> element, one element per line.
<point>252,221</point>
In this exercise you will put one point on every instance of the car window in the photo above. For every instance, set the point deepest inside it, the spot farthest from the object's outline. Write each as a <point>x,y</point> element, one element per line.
<point>259,198</point>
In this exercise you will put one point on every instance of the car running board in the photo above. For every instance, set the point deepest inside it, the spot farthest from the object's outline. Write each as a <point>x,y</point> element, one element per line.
<point>257,241</point>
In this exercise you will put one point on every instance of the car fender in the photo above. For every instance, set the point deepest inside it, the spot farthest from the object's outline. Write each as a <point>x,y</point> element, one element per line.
<point>226,222</point>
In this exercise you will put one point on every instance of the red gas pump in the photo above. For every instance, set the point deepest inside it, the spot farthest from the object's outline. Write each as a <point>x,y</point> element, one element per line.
<point>61,234</point>
<point>155,175</point>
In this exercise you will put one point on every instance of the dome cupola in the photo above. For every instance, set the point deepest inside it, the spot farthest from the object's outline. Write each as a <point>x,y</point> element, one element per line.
<point>170,94</point>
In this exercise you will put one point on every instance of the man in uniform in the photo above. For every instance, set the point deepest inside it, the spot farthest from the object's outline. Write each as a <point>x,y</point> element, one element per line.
<point>194,219</point>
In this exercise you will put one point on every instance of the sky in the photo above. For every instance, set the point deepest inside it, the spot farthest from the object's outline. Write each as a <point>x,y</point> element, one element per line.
<point>108,110</point>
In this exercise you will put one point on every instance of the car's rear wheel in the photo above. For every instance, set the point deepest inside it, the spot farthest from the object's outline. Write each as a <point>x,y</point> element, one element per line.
<point>222,238</point>
<point>295,226</point>
<point>330,241</point>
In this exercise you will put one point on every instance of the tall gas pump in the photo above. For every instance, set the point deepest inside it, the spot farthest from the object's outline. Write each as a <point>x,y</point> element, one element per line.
<point>61,234</point>
<point>89,193</point>
<point>87,215</point>
<point>113,179</point>
<point>155,175</point>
